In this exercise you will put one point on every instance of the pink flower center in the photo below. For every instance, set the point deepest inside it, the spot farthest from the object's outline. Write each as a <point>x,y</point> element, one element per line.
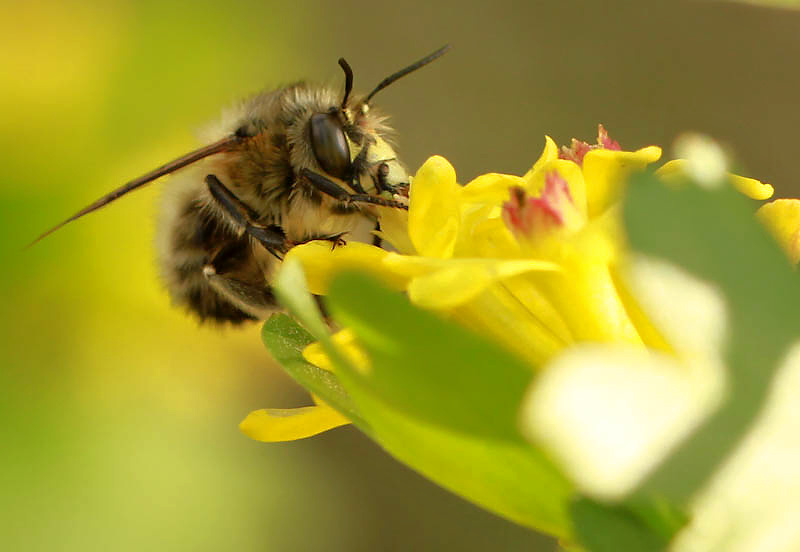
<point>578,149</point>
<point>531,216</point>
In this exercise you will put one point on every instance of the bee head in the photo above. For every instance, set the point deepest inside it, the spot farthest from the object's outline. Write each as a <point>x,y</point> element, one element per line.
<point>329,144</point>
<point>329,131</point>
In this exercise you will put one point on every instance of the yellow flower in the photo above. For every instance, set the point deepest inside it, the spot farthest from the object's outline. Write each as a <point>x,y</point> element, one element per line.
<point>288,424</point>
<point>527,260</point>
<point>627,351</point>
<point>535,262</point>
<point>782,218</point>
<point>530,261</point>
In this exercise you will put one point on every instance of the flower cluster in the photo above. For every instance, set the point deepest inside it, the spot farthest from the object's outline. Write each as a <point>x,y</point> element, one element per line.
<point>625,352</point>
<point>527,260</point>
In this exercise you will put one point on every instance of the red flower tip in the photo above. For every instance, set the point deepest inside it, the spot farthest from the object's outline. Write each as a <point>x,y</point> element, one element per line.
<point>604,141</point>
<point>530,216</point>
<point>578,149</point>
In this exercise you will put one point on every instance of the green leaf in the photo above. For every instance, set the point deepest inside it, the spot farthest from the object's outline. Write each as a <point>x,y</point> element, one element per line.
<point>714,234</point>
<point>292,292</point>
<point>602,528</point>
<point>427,368</point>
<point>658,515</point>
<point>513,480</point>
<point>286,340</point>
<point>508,477</point>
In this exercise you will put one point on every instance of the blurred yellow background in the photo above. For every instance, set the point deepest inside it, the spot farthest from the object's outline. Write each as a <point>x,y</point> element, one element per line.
<point>119,427</point>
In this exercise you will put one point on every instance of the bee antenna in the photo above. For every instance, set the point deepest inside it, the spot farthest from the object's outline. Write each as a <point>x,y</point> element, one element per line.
<point>403,72</point>
<point>221,145</point>
<point>348,80</point>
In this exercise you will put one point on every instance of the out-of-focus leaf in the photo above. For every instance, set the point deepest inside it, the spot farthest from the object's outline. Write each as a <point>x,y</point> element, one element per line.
<point>772,3</point>
<point>714,235</point>
<point>427,368</point>
<point>292,292</point>
<point>659,516</point>
<point>602,528</point>
<point>286,340</point>
<point>506,476</point>
<point>511,479</point>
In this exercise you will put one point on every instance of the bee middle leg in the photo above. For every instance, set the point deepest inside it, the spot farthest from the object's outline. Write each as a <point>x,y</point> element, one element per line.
<point>232,271</point>
<point>271,237</point>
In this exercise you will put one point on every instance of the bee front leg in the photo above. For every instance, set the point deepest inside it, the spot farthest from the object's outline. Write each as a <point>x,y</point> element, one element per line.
<point>331,188</point>
<point>271,237</point>
<point>359,167</point>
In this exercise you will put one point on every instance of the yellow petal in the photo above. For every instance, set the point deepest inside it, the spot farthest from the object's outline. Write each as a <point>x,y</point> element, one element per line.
<point>491,238</point>
<point>671,168</point>
<point>782,217</point>
<point>316,355</point>
<point>482,199</point>
<point>531,298</point>
<point>752,188</point>
<point>459,282</point>
<point>649,333</point>
<point>412,266</point>
<point>394,229</point>
<point>587,300</point>
<point>499,314</point>
<point>605,171</point>
<point>492,188</point>
<point>345,340</point>
<point>321,263</point>
<point>473,216</point>
<point>569,171</point>
<point>288,424</point>
<point>434,205</point>
<point>549,153</point>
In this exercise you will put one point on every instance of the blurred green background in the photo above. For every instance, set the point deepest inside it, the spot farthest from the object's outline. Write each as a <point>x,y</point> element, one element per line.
<point>119,413</point>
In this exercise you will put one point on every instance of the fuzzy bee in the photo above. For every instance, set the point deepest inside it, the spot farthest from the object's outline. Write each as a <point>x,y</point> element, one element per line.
<point>284,167</point>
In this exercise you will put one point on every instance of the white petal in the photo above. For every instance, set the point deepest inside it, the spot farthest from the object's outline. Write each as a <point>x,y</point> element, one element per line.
<point>753,503</point>
<point>609,413</point>
<point>706,161</point>
<point>690,313</point>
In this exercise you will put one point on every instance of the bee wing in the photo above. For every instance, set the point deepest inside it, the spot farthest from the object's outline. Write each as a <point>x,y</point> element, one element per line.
<point>217,147</point>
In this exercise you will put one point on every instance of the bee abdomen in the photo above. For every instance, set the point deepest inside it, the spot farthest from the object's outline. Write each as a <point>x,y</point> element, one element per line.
<point>192,238</point>
<point>192,289</point>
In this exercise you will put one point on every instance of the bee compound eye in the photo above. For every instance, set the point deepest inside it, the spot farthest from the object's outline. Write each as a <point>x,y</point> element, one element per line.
<point>330,145</point>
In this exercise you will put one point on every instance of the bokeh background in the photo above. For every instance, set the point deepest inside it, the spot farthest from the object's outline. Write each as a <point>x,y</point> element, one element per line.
<point>119,413</point>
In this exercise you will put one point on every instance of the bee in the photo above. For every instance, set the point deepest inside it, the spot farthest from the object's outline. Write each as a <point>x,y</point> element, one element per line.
<point>282,168</point>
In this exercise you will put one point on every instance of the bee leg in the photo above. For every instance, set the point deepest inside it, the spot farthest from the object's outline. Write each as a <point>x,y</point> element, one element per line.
<point>381,177</point>
<point>377,241</point>
<point>337,240</point>
<point>271,237</point>
<point>359,166</point>
<point>327,186</point>
<point>256,301</point>
<point>378,171</point>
